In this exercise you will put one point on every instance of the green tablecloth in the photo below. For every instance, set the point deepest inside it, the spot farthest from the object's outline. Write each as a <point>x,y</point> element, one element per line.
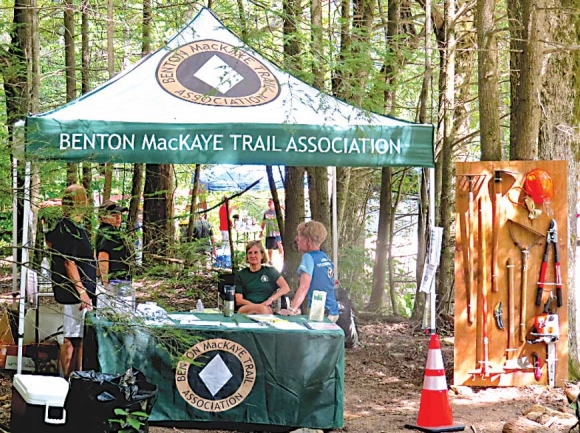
<point>222,376</point>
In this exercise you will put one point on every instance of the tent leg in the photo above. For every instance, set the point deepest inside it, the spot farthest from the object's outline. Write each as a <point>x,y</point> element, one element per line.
<point>433,294</point>
<point>23,266</point>
<point>334,225</point>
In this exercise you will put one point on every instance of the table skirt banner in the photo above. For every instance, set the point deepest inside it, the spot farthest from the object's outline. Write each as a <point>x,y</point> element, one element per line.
<point>221,375</point>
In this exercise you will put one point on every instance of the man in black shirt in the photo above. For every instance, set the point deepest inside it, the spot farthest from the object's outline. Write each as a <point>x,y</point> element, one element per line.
<point>113,253</point>
<point>73,274</point>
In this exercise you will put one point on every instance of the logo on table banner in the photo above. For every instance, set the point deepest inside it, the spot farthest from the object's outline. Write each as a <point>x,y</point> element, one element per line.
<point>215,73</point>
<point>215,375</point>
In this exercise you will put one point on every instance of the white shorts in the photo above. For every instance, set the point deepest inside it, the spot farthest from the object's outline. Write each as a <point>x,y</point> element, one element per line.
<point>73,321</point>
<point>225,235</point>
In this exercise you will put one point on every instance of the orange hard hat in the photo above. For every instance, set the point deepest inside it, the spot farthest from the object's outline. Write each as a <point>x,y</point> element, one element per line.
<point>538,185</point>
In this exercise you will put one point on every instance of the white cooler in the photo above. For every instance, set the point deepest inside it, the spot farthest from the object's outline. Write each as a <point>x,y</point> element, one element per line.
<point>38,404</point>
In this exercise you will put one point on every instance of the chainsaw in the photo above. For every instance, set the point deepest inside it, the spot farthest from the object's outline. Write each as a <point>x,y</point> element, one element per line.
<point>547,330</point>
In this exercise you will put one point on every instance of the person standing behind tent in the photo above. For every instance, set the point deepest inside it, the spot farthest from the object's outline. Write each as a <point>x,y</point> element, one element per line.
<point>113,253</point>
<point>316,270</point>
<point>74,274</point>
<point>203,233</point>
<point>272,231</point>
<point>225,219</point>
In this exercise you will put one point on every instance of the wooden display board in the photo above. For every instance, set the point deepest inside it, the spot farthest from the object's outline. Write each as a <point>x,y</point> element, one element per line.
<point>493,231</point>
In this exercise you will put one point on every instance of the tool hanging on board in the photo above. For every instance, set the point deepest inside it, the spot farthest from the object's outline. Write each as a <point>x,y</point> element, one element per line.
<point>525,251</point>
<point>511,363</point>
<point>551,240</point>
<point>536,363</point>
<point>547,330</point>
<point>498,315</point>
<point>485,369</point>
<point>503,181</point>
<point>470,184</point>
<point>497,179</point>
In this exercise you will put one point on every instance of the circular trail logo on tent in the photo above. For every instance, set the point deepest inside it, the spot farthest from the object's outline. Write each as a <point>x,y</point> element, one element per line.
<point>215,73</point>
<point>215,375</point>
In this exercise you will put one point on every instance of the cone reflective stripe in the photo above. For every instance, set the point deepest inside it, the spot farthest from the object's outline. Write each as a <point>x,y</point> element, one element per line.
<point>435,412</point>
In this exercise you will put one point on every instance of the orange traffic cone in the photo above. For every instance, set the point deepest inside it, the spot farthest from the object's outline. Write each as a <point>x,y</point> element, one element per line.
<point>435,412</point>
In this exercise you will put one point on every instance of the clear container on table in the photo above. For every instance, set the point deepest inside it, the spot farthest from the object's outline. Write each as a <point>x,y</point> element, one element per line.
<point>230,292</point>
<point>123,295</point>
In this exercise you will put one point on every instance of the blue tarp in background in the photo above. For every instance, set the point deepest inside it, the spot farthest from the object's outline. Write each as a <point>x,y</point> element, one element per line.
<point>225,177</point>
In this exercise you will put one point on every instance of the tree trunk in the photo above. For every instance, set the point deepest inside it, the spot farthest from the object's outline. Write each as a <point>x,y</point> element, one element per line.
<point>136,190</point>
<point>277,206</point>
<point>352,228</point>
<point>318,176</point>
<point>108,168</point>
<point>110,40</point>
<point>242,20</point>
<point>70,68</point>
<point>317,47</point>
<point>35,108</point>
<point>362,23</point>
<point>16,88</point>
<point>292,46</point>
<point>320,202</point>
<point>193,202</point>
<point>528,110</point>
<point>488,81</point>
<point>340,75</point>
<point>146,28</point>
<point>293,182</point>
<point>157,235</point>
<point>446,161</point>
<point>556,142</point>
<point>85,52</point>
<point>293,185</point>
<point>383,235</point>
<point>516,47</point>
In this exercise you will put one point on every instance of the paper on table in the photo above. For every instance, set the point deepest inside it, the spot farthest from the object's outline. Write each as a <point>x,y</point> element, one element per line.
<point>322,326</point>
<point>182,316</point>
<point>266,318</point>
<point>205,323</point>
<point>285,325</point>
<point>188,321</point>
<point>229,324</point>
<point>250,325</point>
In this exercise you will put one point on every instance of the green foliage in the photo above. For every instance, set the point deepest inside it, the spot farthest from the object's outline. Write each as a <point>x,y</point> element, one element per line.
<point>406,300</point>
<point>129,422</point>
<point>355,274</point>
<point>573,369</point>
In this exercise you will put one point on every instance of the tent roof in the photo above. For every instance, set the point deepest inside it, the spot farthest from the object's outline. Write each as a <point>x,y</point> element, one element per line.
<point>207,98</point>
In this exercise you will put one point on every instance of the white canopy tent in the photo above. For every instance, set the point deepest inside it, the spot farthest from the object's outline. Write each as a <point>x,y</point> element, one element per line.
<point>207,98</point>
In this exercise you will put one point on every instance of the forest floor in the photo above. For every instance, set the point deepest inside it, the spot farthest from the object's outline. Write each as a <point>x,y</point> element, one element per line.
<point>383,381</point>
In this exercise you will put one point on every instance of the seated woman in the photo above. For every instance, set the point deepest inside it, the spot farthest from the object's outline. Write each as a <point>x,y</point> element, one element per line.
<point>258,286</point>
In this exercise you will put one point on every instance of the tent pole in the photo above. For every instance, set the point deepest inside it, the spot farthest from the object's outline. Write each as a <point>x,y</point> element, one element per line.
<point>334,225</point>
<point>24,266</point>
<point>433,294</point>
<point>14,227</point>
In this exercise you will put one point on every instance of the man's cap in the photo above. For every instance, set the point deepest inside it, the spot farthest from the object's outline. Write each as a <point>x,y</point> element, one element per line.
<point>109,206</point>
